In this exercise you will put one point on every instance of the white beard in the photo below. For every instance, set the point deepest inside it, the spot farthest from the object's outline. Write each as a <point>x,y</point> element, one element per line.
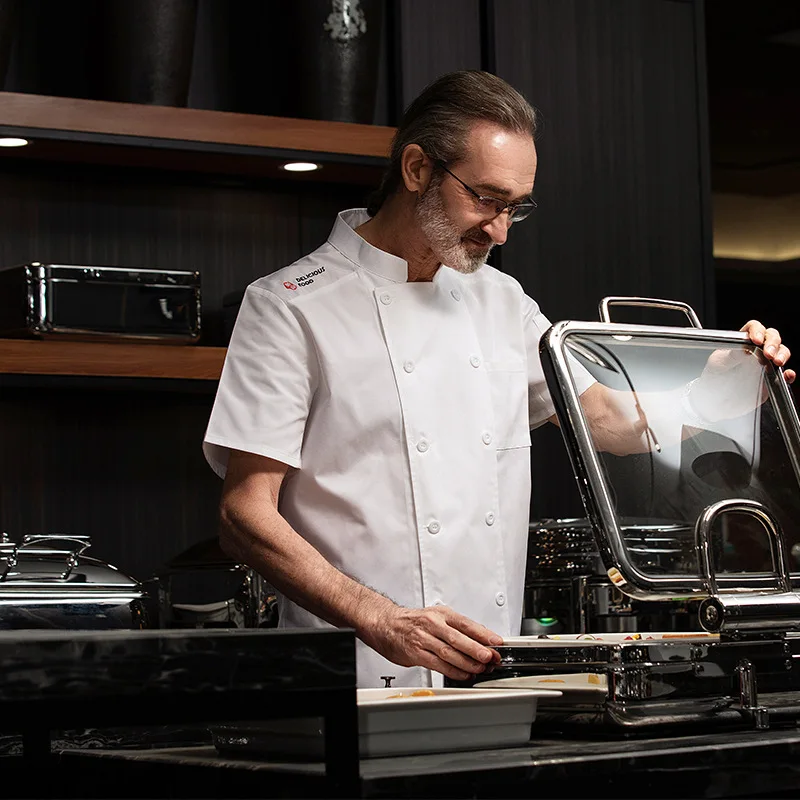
<point>446,241</point>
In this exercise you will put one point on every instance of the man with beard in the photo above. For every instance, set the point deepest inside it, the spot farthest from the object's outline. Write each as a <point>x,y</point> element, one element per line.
<point>372,420</point>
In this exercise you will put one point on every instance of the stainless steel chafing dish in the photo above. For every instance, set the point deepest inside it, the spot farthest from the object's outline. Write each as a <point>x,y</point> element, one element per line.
<point>203,588</point>
<point>719,456</point>
<point>47,581</point>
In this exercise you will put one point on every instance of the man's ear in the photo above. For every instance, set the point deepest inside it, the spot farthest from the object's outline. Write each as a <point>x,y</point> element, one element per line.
<point>416,169</point>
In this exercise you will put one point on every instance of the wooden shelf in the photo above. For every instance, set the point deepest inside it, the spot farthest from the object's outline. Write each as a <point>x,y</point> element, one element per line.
<point>128,134</point>
<point>110,359</point>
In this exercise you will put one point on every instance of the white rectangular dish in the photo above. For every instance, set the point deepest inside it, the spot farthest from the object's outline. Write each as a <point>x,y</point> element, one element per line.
<point>400,722</point>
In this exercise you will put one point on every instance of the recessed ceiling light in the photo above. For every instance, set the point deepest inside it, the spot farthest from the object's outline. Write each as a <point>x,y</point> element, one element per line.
<point>10,141</point>
<point>300,166</point>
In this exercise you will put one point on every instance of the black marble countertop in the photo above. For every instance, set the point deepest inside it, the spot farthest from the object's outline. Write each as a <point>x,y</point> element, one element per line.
<point>743,763</point>
<point>58,683</point>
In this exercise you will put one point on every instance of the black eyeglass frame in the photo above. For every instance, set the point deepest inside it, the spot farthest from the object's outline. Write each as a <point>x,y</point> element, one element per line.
<point>485,201</point>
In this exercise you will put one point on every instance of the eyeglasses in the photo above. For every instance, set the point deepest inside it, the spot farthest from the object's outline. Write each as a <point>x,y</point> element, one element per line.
<point>493,206</point>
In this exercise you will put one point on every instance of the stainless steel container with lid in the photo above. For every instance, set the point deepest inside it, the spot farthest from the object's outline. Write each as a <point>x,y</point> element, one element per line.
<point>713,445</point>
<point>76,301</point>
<point>48,581</point>
<point>567,589</point>
<point>203,588</point>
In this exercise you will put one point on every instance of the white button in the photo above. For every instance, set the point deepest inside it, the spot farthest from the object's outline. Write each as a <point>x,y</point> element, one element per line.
<point>500,599</point>
<point>422,445</point>
<point>475,361</point>
<point>408,366</point>
<point>434,526</point>
<point>386,299</point>
<point>487,437</point>
<point>489,518</point>
<point>438,602</point>
<point>456,294</point>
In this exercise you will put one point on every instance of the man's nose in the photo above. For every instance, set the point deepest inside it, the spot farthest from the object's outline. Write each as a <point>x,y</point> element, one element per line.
<point>497,227</point>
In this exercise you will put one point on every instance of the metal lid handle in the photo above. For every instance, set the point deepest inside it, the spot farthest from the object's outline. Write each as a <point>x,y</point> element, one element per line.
<point>647,302</point>
<point>762,514</point>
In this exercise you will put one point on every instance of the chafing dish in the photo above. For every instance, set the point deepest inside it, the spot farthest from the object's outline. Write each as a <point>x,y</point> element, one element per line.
<point>47,581</point>
<point>718,454</point>
<point>204,588</point>
<point>567,589</point>
<point>71,301</point>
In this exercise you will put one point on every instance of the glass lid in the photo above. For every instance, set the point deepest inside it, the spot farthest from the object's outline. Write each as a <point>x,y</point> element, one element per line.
<point>677,420</point>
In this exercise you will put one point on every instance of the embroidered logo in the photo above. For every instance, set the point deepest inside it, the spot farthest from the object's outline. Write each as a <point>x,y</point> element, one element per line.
<point>289,285</point>
<point>305,280</point>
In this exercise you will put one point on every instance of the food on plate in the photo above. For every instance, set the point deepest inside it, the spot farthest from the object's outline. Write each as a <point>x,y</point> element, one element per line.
<point>550,680</point>
<point>593,679</point>
<point>417,693</point>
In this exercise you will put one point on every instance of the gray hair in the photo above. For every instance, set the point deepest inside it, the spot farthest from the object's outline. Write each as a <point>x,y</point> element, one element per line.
<point>440,119</point>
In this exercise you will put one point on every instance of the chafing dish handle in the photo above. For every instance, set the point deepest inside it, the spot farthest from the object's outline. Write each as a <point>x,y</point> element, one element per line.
<point>753,610</point>
<point>647,302</point>
<point>703,526</point>
<point>80,543</point>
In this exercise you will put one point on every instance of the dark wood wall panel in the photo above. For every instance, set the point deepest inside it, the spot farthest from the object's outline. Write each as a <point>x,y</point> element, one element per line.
<point>437,36</point>
<point>619,151</point>
<point>621,206</point>
<point>124,467</point>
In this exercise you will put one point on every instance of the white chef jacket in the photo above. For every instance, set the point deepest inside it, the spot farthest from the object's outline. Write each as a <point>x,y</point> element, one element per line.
<point>404,409</point>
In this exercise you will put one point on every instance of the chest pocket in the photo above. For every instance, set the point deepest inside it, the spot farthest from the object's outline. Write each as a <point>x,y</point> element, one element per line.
<point>508,381</point>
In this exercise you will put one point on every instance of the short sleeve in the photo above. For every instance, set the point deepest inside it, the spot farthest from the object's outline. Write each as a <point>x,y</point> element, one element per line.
<point>540,404</point>
<point>267,384</point>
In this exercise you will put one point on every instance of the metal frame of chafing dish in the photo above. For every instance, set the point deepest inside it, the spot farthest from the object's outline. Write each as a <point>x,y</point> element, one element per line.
<point>675,681</point>
<point>588,471</point>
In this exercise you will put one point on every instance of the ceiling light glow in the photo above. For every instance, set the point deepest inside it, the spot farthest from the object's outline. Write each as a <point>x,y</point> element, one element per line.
<point>11,141</point>
<point>300,166</point>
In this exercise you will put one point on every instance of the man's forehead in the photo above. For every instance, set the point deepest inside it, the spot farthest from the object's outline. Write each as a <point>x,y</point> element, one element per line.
<point>499,159</point>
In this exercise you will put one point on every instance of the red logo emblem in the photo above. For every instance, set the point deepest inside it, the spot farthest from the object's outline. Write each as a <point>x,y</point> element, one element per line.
<point>289,285</point>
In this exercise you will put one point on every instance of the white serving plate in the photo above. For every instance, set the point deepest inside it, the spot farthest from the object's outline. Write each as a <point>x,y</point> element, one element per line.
<point>589,639</point>
<point>394,722</point>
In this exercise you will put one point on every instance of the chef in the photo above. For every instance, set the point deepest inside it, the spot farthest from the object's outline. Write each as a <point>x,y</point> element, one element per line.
<point>372,419</point>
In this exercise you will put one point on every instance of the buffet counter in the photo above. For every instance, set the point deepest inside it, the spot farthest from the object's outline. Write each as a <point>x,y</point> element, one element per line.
<point>719,764</point>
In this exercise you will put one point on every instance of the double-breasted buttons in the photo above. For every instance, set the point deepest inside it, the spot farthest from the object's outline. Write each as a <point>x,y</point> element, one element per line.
<point>475,361</point>
<point>423,446</point>
<point>490,518</point>
<point>408,366</point>
<point>434,526</point>
<point>386,298</point>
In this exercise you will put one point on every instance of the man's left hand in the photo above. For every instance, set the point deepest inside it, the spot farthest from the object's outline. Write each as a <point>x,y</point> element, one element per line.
<point>770,341</point>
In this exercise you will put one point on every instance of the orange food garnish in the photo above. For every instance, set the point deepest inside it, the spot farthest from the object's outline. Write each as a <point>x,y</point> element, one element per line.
<point>423,693</point>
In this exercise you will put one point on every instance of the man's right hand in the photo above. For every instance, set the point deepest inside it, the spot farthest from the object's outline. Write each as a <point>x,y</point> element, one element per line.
<point>435,637</point>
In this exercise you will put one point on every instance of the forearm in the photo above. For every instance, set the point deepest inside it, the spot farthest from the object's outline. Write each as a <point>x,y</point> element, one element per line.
<point>261,538</point>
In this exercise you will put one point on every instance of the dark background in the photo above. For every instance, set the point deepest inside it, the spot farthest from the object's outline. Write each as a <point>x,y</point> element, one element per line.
<point>648,108</point>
